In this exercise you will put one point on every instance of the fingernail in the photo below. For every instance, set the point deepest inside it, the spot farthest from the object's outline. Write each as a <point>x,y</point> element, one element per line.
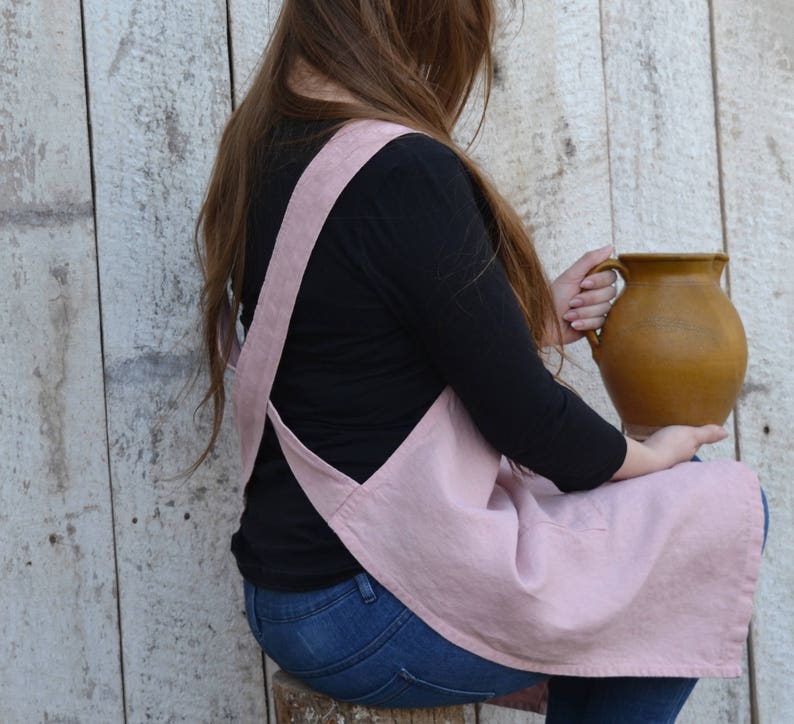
<point>577,324</point>
<point>587,284</point>
<point>569,316</point>
<point>576,302</point>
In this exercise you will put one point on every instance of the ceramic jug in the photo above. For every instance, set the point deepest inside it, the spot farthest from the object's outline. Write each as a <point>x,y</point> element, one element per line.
<point>672,350</point>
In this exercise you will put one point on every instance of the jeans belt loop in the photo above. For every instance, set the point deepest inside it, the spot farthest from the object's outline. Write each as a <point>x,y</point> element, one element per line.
<point>365,588</point>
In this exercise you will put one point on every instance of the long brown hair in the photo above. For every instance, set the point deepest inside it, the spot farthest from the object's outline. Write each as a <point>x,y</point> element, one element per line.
<point>413,62</point>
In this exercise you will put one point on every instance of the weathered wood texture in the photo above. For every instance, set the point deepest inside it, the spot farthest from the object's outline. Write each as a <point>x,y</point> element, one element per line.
<point>58,628</point>
<point>159,88</point>
<point>754,50</point>
<point>296,703</point>
<point>663,141</point>
<point>660,107</point>
<point>544,143</point>
<point>271,667</point>
<point>601,128</point>
<point>665,182</point>
<point>488,714</point>
<point>251,23</point>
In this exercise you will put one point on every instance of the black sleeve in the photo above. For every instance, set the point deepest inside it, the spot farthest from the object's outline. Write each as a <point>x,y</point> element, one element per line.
<point>431,258</point>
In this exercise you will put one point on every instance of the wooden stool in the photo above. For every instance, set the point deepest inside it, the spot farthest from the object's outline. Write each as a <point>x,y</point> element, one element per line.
<point>296,703</point>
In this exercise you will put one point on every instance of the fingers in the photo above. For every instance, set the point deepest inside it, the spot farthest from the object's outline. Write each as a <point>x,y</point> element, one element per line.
<point>590,299</point>
<point>581,300</point>
<point>678,443</point>
<point>708,434</point>
<point>588,309</point>
<point>589,318</point>
<point>601,279</point>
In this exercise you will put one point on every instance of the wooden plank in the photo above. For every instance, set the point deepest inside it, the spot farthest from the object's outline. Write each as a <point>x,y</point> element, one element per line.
<point>250,22</point>
<point>59,624</point>
<point>296,703</point>
<point>665,181</point>
<point>663,147</point>
<point>545,143</point>
<point>754,49</point>
<point>159,81</point>
<point>663,150</point>
<point>489,714</point>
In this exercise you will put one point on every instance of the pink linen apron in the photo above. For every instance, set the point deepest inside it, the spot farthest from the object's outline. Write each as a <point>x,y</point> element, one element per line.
<point>647,577</point>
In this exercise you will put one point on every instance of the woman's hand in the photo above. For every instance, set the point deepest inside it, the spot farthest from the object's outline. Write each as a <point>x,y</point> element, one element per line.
<point>665,448</point>
<point>582,302</point>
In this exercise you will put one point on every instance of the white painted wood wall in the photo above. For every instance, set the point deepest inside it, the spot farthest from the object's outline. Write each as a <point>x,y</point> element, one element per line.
<point>656,126</point>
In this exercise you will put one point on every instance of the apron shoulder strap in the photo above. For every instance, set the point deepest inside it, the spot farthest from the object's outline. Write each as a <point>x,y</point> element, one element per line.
<point>311,202</point>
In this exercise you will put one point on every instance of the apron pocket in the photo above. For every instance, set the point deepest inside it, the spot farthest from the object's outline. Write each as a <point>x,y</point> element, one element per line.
<point>406,690</point>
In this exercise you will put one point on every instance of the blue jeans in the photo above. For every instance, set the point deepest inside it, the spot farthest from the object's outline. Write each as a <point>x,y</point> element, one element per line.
<point>355,642</point>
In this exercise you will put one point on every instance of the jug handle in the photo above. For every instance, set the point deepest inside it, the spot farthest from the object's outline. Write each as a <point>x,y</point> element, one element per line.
<point>592,336</point>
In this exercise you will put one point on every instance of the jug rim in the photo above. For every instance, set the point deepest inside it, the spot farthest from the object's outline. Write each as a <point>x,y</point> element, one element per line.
<point>650,256</point>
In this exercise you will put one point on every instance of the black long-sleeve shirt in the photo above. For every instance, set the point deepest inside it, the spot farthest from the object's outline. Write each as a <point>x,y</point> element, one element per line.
<point>402,296</point>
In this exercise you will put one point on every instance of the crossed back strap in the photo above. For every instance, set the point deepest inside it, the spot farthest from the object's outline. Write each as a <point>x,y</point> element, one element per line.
<point>309,206</point>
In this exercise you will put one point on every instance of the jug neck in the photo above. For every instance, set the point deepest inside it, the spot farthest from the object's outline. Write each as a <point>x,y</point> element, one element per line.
<point>674,268</point>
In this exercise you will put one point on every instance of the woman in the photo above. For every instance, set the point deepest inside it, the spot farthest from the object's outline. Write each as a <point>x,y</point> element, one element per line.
<point>410,362</point>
